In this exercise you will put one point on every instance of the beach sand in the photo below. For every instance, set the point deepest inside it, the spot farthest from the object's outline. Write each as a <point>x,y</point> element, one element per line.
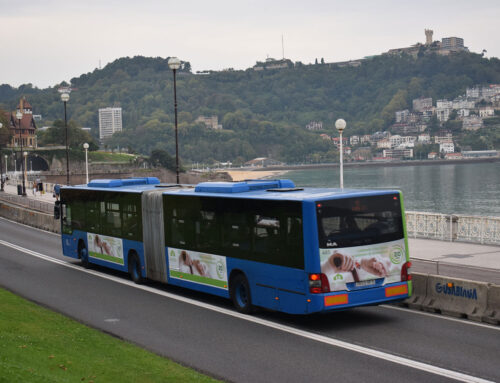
<point>240,175</point>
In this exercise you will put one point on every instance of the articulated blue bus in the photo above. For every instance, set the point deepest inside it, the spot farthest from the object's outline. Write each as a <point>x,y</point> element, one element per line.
<point>261,243</point>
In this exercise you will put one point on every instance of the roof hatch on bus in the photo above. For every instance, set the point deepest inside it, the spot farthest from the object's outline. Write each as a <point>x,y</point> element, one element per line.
<point>114,183</point>
<point>243,186</point>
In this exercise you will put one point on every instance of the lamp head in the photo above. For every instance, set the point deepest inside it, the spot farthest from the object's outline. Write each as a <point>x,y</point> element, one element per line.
<point>25,154</point>
<point>340,125</point>
<point>64,97</point>
<point>85,146</point>
<point>174,63</point>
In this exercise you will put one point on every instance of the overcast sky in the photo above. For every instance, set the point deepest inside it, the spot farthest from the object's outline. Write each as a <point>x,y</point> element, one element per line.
<point>47,41</point>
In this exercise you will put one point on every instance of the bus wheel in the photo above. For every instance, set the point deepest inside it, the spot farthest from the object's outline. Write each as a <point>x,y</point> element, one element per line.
<point>240,294</point>
<point>134,268</point>
<point>84,255</point>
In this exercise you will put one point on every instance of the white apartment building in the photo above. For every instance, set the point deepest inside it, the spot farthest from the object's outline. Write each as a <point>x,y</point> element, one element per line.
<point>110,122</point>
<point>402,115</point>
<point>472,123</point>
<point>402,141</point>
<point>486,111</point>
<point>447,147</point>
<point>354,140</point>
<point>447,138</point>
<point>443,109</point>
<point>421,104</point>
<point>424,138</point>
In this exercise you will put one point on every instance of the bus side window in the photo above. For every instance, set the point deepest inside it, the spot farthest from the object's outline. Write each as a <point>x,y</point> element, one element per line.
<point>236,233</point>
<point>92,216</point>
<point>178,228</point>
<point>267,235</point>
<point>207,231</point>
<point>66,219</point>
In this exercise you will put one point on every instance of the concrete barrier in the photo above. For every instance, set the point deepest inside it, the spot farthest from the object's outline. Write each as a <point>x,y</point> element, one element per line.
<point>419,292</point>
<point>492,312</point>
<point>456,297</point>
<point>28,217</point>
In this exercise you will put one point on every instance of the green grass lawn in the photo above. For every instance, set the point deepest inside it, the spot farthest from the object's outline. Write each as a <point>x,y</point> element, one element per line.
<point>38,345</point>
<point>110,157</point>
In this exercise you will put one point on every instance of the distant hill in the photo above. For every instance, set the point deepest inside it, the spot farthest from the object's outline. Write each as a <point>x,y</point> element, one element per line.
<point>263,113</point>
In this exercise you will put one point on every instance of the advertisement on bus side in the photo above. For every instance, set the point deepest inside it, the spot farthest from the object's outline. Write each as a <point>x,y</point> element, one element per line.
<point>363,265</point>
<point>105,248</point>
<point>203,268</point>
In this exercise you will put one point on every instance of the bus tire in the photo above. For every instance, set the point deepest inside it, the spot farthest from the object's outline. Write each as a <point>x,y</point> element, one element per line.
<point>134,268</point>
<point>240,294</point>
<point>83,254</point>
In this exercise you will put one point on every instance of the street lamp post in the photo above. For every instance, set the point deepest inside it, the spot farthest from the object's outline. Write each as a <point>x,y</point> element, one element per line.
<point>19,116</point>
<point>340,125</point>
<point>86,147</point>
<point>25,169</point>
<point>174,63</point>
<point>65,99</point>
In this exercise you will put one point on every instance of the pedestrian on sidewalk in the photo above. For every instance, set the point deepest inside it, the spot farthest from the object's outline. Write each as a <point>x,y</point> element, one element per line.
<point>34,188</point>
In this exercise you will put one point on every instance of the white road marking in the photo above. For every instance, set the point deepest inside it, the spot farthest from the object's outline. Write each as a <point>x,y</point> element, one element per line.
<point>439,316</point>
<point>290,330</point>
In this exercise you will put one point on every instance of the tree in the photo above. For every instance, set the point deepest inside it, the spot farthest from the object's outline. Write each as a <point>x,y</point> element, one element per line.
<point>5,132</point>
<point>161,158</point>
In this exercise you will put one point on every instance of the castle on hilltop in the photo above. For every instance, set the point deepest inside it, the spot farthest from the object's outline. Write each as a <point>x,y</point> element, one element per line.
<point>446,46</point>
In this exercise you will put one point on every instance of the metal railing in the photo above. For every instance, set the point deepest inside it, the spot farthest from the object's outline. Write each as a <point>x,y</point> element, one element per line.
<point>453,227</point>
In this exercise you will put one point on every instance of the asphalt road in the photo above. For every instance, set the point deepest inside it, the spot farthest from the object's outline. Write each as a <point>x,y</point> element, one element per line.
<point>375,344</point>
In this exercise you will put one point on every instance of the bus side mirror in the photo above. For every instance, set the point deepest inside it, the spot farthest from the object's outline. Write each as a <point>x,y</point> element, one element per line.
<point>57,209</point>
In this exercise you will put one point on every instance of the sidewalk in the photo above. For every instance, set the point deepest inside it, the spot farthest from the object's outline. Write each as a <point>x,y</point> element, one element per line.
<point>12,189</point>
<point>454,259</point>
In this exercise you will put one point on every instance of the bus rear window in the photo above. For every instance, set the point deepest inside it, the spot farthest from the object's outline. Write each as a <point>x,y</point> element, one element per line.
<point>359,221</point>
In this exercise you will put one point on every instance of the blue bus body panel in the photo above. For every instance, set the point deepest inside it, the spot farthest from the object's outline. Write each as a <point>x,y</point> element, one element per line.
<point>70,249</point>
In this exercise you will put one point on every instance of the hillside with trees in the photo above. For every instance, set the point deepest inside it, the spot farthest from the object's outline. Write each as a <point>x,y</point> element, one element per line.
<point>263,113</point>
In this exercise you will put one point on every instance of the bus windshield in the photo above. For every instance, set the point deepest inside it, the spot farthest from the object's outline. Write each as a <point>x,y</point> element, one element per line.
<point>359,221</point>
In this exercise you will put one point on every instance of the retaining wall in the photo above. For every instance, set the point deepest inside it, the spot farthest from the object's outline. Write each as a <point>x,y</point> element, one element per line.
<point>28,217</point>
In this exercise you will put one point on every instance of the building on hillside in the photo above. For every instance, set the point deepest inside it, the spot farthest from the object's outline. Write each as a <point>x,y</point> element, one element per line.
<point>384,144</point>
<point>271,63</point>
<point>462,103</point>
<point>336,141</point>
<point>366,139</point>
<point>211,122</point>
<point>398,153</point>
<point>24,133</point>
<point>480,153</point>
<point>487,111</point>
<point>472,123</point>
<point>110,122</point>
<point>402,116</point>
<point>443,138</point>
<point>398,141</point>
<point>453,44</point>
<point>443,110</point>
<point>422,104</point>
<point>432,156</point>
<point>447,147</point>
<point>424,138</point>
<point>315,125</point>
<point>354,140</point>
<point>453,156</point>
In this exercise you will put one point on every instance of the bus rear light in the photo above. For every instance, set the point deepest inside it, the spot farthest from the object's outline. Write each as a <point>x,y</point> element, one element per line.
<point>405,272</point>
<point>396,290</point>
<point>318,283</point>
<point>334,300</point>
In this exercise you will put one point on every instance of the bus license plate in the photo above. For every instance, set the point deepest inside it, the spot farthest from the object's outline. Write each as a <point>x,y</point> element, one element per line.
<point>365,283</point>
